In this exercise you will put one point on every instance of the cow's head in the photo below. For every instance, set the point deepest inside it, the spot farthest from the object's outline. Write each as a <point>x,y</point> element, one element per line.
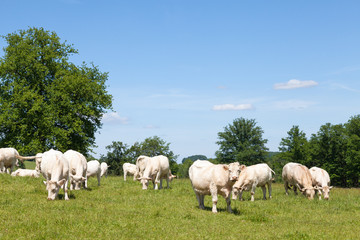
<point>309,192</point>
<point>325,190</point>
<point>76,182</point>
<point>234,171</point>
<point>53,188</point>
<point>144,181</point>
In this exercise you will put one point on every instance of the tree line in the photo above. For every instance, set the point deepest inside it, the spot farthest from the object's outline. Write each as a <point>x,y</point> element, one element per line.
<point>46,102</point>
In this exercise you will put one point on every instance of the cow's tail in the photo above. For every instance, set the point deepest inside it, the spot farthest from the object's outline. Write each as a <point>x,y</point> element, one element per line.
<point>25,158</point>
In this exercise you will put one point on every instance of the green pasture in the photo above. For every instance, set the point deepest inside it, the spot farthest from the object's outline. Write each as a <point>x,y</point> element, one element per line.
<point>122,210</point>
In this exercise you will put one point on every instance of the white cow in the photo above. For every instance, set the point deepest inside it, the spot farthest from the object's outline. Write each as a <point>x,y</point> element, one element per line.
<point>93,169</point>
<point>298,176</point>
<point>9,157</point>
<point>213,179</point>
<point>55,168</point>
<point>157,168</point>
<point>130,169</point>
<point>77,168</point>
<point>258,175</point>
<point>321,181</point>
<point>26,173</point>
<point>141,162</point>
<point>104,167</point>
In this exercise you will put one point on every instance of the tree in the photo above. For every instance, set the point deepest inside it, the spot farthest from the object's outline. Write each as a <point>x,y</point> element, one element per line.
<point>242,142</point>
<point>118,154</point>
<point>195,157</point>
<point>353,151</point>
<point>45,100</point>
<point>294,147</point>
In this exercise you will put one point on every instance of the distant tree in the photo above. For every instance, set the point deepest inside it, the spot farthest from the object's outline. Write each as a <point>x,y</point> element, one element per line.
<point>242,142</point>
<point>353,151</point>
<point>195,157</point>
<point>45,100</point>
<point>294,148</point>
<point>118,154</point>
<point>183,171</point>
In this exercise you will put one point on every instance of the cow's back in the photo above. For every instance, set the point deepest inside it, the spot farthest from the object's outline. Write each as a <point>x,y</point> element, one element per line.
<point>77,162</point>
<point>93,168</point>
<point>49,161</point>
<point>295,173</point>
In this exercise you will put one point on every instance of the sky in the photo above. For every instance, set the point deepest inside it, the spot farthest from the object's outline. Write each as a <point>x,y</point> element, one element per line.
<point>184,70</point>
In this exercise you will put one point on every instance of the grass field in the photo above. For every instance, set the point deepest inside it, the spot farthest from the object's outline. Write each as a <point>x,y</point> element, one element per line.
<point>122,210</point>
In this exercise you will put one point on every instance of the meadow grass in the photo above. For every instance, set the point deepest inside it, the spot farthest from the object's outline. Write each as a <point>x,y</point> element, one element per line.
<point>122,210</point>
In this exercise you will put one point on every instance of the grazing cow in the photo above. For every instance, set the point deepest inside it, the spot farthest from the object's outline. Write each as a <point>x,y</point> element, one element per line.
<point>258,175</point>
<point>130,169</point>
<point>26,173</point>
<point>55,168</point>
<point>321,181</point>
<point>141,162</point>
<point>9,157</point>
<point>93,169</point>
<point>77,168</point>
<point>157,168</point>
<point>298,176</point>
<point>104,167</point>
<point>213,179</point>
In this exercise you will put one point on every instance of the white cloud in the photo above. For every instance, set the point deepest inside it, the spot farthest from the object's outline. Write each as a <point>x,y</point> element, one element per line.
<point>294,83</point>
<point>294,104</point>
<point>114,117</point>
<point>225,107</point>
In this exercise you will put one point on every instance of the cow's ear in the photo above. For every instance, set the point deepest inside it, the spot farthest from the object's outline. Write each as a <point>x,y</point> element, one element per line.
<point>61,182</point>
<point>226,167</point>
<point>242,167</point>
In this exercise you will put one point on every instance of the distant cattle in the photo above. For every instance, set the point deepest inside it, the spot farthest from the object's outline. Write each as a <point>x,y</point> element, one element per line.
<point>55,168</point>
<point>77,168</point>
<point>157,168</point>
<point>104,168</point>
<point>8,159</point>
<point>258,175</point>
<point>321,181</point>
<point>93,169</point>
<point>213,179</point>
<point>130,169</point>
<point>26,173</point>
<point>298,176</point>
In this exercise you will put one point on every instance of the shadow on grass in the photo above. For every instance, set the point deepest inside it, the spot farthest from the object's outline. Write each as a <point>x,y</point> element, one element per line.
<point>235,211</point>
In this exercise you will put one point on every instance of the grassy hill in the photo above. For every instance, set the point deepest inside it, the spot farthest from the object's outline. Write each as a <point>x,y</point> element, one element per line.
<point>122,210</point>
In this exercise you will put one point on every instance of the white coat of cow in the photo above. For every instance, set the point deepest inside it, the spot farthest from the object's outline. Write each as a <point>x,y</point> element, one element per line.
<point>9,157</point>
<point>104,167</point>
<point>298,176</point>
<point>213,179</point>
<point>77,168</point>
<point>258,175</point>
<point>130,169</point>
<point>141,162</point>
<point>55,168</point>
<point>26,173</point>
<point>321,181</point>
<point>157,168</point>
<point>93,169</point>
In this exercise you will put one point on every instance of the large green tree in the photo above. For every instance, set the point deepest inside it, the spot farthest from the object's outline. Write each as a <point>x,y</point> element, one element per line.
<point>242,141</point>
<point>45,100</point>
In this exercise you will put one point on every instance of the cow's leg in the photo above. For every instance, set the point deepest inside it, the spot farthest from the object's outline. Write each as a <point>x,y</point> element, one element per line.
<point>295,190</point>
<point>198,197</point>
<point>202,197</point>
<point>253,192</point>
<point>228,203</point>
<point>157,180</point>
<point>86,181</point>
<point>319,191</point>
<point>125,175</point>
<point>66,191</point>
<point>213,191</point>
<point>286,188</point>
<point>270,189</point>
<point>160,183</point>
<point>264,192</point>
<point>240,195</point>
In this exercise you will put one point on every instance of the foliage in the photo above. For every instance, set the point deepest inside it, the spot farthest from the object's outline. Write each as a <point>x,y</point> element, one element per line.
<point>242,142</point>
<point>45,100</point>
<point>195,157</point>
<point>120,153</point>
<point>294,147</point>
<point>122,210</point>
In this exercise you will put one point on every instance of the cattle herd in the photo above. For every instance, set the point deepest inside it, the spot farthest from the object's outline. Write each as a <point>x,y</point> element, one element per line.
<point>60,169</point>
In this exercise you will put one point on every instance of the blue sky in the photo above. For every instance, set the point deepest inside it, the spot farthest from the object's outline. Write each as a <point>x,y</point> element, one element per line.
<point>183,70</point>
